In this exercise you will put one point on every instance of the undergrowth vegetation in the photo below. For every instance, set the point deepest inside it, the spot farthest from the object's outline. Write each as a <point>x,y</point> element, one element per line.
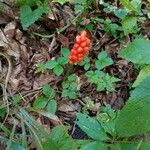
<point>127,128</point>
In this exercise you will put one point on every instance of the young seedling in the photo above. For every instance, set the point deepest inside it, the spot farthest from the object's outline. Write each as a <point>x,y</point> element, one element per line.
<point>46,101</point>
<point>56,65</point>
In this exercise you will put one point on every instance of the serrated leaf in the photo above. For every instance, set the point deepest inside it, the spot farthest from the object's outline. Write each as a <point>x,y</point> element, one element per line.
<point>50,64</point>
<point>48,91</point>
<point>145,72</point>
<point>91,127</point>
<point>40,103</point>
<point>134,117</point>
<point>103,60</point>
<point>137,51</point>
<point>129,25</point>
<point>62,60</point>
<point>58,70</point>
<point>29,16</point>
<point>52,106</point>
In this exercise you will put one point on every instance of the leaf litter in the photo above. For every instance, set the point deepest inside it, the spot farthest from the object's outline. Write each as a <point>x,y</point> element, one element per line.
<point>28,50</point>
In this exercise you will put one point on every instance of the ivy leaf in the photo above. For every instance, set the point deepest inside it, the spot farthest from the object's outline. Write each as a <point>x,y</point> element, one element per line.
<point>137,51</point>
<point>58,70</point>
<point>91,127</point>
<point>103,60</point>
<point>134,117</point>
<point>129,25</point>
<point>52,106</point>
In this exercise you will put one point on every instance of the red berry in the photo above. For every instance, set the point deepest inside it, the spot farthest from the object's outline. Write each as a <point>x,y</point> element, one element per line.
<point>85,49</point>
<point>78,38</point>
<point>80,50</point>
<point>74,52</point>
<point>88,41</point>
<point>83,44</point>
<point>76,46</point>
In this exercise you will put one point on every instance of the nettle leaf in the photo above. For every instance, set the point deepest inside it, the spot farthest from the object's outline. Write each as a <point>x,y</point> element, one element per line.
<point>29,16</point>
<point>48,91</point>
<point>91,127</point>
<point>134,117</point>
<point>102,80</point>
<point>103,60</point>
<point>52,106</point>
<point>94,146</point>
<point>58,70</point>
<point>137,51</point>
<point>145,72</point>
<point>40,103</point>
<point>129,25</point>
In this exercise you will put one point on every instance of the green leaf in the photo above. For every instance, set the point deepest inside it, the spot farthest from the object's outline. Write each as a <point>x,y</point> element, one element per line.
<point>145,72</point>
<point>86,66</point>
<point>132,5</point>
<point>52,106</point>
<point>129,25</point>
<point>72,78</point>
<point>91,127</point>
<point>58,70</point>
<point>103,60</point>
<point>89,27</point>
<point>51,64</point>
<point>137,51</point>
<point>29,16</point>
<point>94,146</point>
<point>102,80</point>
<point>120,13</point>
<point>40,102</point>
<point>134,117</point>
<point>62,1</point>
<point>72,94</point>
<point>48,91</point>
<point>78,8</point>
<point>65,142</point>
<point>65,52</point>
<point>16,99</point>
<point>59,132</point>
<point>26,2</point>
<point>62,60</point>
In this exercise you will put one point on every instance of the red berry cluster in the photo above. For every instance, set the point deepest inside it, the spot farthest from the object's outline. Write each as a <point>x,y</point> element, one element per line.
<point>80,48</point>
